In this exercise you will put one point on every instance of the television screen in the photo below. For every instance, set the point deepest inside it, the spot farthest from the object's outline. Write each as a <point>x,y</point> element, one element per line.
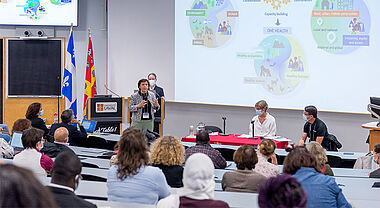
<point>39,12</point>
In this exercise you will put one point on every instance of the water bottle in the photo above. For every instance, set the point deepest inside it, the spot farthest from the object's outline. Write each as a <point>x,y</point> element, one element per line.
<point>191,130</point>
<point>55,119</point>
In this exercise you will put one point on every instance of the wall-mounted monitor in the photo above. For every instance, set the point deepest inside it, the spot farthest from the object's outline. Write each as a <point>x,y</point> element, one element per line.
<point>39,12</point>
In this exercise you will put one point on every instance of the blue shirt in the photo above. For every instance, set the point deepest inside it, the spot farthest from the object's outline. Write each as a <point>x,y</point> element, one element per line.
<point>146,187</point>
<point>322,190</point>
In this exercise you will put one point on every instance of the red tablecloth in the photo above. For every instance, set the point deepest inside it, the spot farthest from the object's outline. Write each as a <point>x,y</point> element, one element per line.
<point>233,139</point>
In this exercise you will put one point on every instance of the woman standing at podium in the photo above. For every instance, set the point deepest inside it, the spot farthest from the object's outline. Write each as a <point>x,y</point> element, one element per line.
<point>143,104</point>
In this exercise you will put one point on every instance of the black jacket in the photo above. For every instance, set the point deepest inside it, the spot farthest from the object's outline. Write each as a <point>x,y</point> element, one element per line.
<point>75,137</point>
<point>53,149</point>
<point>65,198</point>
<point>39,124</point>
<point>173,175</point>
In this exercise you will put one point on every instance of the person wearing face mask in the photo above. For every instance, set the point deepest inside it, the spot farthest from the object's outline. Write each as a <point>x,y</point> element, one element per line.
<point>263,123</point>
<point>143,104</point>
<point>31,158</point>
<point>314,129</point>
<point>65,178</point>
<point>34,113</point>
<point>159,92</point>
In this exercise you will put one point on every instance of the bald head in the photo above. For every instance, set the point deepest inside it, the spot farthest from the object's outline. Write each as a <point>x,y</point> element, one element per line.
<point>61,134</point>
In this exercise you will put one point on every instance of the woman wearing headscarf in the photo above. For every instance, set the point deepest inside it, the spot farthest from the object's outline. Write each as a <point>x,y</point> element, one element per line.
<point>198,186</point>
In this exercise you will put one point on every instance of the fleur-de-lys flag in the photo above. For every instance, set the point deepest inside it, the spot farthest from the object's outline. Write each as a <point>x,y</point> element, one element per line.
<point>90,82</point>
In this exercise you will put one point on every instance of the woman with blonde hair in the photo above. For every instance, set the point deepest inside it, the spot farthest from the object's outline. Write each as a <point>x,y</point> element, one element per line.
<point>317,150</point>
<point>265,151</point>
<point>167,153</point>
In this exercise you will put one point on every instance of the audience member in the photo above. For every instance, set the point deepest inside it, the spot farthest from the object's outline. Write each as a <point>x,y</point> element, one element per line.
<point>21,124</point>
<point>65,178</point>
<point>319,153</point>
<point>31,157</point>
<point>262,123</point>
<point>203,146</point>
<point>282,191</point>
<point>376,158</point>
<point>322,190</point>
<point>6,151</point>
<point>33,114</point>
<point>143,105</point>
<point>368,161</point>
<point>131,179</point>
<point>314,128</point>
<point>60,144</point>
<point>167,153</point>
<point>159,92</point>
<point>20,188</point>
<point>244,179</point>
<point>4,132</point>
<point>198,186</point>
<point>265,151</point>
<point>76,137</point>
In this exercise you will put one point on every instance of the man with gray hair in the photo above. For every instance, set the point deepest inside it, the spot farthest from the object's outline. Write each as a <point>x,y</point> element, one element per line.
<point>61,136</point>
<point>263,123</point>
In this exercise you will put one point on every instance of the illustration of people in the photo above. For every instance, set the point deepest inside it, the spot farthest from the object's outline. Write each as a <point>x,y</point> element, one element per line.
<point>220,27</point>
<point>361,25</point>
<point>290,64</point>
<point>300,64</point>
<point>228,32</point>
<point>325,5</point>
<point>224,28</point>
<point>295,63</point>
<point>356,26</point>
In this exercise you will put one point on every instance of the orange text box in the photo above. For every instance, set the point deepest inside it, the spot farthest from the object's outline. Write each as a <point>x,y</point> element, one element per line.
<point>335,13</point>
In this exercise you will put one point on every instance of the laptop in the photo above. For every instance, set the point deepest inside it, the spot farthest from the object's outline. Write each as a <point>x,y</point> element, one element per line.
<point>89,126</point>
<point>16,141</point>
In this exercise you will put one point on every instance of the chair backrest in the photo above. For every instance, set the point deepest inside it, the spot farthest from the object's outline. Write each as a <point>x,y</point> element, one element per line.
<point>334,161</point>
<point>4,126</point>
<point>211,129</point>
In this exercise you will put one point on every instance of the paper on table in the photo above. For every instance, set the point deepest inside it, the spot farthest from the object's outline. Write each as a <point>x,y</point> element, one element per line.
<point>244,136</point>
<point>279,138</point>
<point>213,134</point>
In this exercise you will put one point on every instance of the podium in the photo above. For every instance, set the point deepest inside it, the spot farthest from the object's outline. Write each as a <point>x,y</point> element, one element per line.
<point>374,133</point>
<point>161,118</point>
<point>108,112</point>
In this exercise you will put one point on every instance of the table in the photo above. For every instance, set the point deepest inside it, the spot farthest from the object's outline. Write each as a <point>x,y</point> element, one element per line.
<point>374,134</point>
<point>101,163</point>
<point>89,152</point>
<point>235,140</point>
<point>109,137</point>
<point>112,204</point>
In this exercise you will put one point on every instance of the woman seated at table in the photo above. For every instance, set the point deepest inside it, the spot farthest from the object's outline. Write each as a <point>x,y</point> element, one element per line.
<point>265,151</point>
<point>244,179</point>
<point>31,157</point>
<point>167,153</point>
<point>322,190</point>
<point>198,186</point>
<point>317,150</point>
<point>263,123</point>
<point>131,179</point>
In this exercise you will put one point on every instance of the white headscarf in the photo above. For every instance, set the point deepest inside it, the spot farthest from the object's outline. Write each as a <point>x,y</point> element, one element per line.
<point>198,181</point>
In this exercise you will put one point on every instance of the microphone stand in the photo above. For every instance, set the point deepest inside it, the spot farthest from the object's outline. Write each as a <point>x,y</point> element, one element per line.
<point>253,129</point>
<point>224,127</point>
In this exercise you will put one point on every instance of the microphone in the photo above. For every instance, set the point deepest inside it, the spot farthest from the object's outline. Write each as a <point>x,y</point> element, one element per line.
<point>224,127</point>
<point>253,128</point>
<point>105,86</point>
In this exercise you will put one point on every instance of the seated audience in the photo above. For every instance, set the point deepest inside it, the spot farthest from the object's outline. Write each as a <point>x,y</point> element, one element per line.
<point>6,151</point>
<point>4,132</point>
<point>198,186</point>
<point>282,191</point>
<point>265,151</point>
<point>61,136</point>
<point>244,179</point>
<point>76,137</point>
<point>167,153</point>
<point>31,157</point>
<point>314,129</point>
<point>264,123</point>
<point>320,154</point>
<point>131,179</point>
<point>21,124</point>
<point>20,188</point>
<point>33,114</point>
<point>203,146</point>
<point>376,158</point>
<point>65,178</point>
<point>368,161</point>
<point>322,190</point>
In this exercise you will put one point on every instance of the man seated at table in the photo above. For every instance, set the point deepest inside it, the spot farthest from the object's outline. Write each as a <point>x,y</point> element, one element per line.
<point>61,136</point>
<point>314,128</point>
<point>203,146</point>
<point>76,137</point>
<point>370,160</point>
<point>65,179</point>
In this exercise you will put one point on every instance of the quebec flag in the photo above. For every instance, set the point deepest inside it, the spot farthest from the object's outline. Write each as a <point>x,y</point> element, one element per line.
<point>69,89</point>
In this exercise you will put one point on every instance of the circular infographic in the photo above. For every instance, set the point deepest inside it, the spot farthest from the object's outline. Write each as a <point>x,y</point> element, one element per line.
<point>282,64</point>
<point>340,26</point>
<point>212,22</point>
